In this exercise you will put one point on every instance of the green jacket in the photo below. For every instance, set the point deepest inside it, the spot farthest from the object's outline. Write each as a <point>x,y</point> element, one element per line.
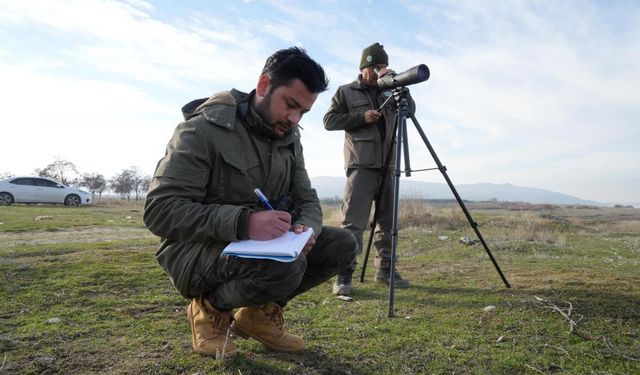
<point>202,191</point>
<point>364,146</point>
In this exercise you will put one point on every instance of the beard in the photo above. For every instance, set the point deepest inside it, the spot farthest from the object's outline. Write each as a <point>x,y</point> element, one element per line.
<point>280,128</point>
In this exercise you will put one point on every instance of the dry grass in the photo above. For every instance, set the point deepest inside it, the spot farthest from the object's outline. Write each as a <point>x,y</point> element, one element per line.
<point>117,202</point>
<point>412,213</point>
<point>331,215</point>
<point>531,227</point>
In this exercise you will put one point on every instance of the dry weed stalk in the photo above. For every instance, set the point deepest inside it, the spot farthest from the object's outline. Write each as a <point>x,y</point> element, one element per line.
<point>533,368</point>
<point>221,353</point>
<point>545,304</point>
<point>559,348</point>
<point>613,350</point>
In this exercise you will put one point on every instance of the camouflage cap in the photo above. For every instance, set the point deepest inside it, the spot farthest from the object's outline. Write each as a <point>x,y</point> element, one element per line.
<point>373,55</point>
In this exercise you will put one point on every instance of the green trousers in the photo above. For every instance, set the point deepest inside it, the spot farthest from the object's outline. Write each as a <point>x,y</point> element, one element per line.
<point>360,192</point>
<point>230,282</point>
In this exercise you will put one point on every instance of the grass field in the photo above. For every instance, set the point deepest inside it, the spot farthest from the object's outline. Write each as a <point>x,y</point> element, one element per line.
<point>82,293</point>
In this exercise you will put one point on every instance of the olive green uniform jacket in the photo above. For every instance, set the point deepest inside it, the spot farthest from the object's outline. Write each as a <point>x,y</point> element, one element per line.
<point>202,191</point>
<point>364,146</point>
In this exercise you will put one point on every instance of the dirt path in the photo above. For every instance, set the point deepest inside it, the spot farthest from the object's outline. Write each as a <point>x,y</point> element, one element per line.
<point>76,235</point>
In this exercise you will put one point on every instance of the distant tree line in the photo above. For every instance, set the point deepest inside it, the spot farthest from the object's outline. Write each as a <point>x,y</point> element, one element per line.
<point>128,182</point>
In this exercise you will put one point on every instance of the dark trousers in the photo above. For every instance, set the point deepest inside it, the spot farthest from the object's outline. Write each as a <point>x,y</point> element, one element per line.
<point>230,282</point>
<point>359,195</point>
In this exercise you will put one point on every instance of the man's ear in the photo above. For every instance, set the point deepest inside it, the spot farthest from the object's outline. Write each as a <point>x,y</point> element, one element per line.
<point>264,82</point>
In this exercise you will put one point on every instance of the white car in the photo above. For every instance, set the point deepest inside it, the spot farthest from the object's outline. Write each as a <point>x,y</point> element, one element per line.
<point>40,190</point>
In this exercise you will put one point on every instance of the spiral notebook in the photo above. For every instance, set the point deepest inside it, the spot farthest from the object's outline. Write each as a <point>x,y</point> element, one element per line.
<point>285,248</point>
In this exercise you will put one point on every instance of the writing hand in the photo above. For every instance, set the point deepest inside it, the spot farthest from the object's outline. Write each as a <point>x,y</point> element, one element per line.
<point>267,225</point>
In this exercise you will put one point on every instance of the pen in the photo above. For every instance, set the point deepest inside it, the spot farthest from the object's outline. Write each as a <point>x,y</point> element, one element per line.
<point>264,199</point>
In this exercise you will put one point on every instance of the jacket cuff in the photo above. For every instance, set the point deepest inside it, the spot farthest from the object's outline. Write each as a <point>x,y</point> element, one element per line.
<point>242,227</point>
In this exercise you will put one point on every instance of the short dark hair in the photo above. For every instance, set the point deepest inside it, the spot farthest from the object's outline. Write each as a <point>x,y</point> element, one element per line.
<point>288,64</point>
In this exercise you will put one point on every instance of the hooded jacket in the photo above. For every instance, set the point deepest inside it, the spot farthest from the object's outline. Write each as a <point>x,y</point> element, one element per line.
<point>202,191</point>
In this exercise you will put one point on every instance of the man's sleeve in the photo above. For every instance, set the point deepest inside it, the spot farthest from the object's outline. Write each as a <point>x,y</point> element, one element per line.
<point>340,117</point>
<point>174,207</point>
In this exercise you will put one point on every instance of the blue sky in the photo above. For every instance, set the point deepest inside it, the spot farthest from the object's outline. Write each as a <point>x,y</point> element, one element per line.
<point>542,94</point>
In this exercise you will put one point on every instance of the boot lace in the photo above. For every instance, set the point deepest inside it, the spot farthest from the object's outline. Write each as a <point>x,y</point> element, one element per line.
<point>221,320</point>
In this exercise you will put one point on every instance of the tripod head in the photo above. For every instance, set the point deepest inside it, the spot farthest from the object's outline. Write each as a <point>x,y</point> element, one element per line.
<point>397,94</point>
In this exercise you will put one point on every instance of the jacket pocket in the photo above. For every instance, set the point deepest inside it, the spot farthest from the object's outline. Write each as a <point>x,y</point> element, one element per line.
<point>360,150</point>
<point>359,105</point>
<point>237,176</point>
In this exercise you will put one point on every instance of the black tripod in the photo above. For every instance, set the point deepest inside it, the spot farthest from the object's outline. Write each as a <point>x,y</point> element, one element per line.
<point>400,95</point>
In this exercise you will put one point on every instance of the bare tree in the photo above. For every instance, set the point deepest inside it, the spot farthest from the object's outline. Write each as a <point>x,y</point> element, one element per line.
<point>139,183</point>
<point>146,181</point>
<point>122,184</point>
<point>6,174</point>
<point>94,182</point>
<point>60,170</point>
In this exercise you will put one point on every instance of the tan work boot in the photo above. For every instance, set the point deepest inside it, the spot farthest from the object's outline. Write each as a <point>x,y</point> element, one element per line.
<point>210,329</point>
<point>266,324</point>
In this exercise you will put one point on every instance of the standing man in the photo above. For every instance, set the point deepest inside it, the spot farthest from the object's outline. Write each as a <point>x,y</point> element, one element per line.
<point>357,108</point>
<point>202,197</point>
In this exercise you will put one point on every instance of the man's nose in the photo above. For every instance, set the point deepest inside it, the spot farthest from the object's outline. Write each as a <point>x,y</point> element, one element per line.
<point>294,117</point>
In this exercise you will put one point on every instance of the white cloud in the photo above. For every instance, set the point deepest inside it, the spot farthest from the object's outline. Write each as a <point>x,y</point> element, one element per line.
<point>125,40</point>
<point>99,125</point>
<point>537,94</point>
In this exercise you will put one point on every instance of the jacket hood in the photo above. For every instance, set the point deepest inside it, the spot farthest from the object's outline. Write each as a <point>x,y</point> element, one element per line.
<point>223,99</point>
<point>223,107</point>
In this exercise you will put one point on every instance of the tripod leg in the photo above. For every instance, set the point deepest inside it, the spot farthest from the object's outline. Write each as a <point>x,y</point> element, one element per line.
<point>473,224</point>
<point>401,127</point>
<point>405,148</point>
<point>366,254</point>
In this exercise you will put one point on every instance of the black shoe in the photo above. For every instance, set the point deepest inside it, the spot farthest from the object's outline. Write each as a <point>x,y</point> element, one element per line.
<point>342,286</point>
<point>383,276</point>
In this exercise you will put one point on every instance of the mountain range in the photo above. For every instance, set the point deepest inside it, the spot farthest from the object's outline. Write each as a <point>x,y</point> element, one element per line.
<point>332,187</point>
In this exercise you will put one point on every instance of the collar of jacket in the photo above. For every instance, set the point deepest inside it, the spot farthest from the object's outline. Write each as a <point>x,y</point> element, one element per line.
<point>357,84</point>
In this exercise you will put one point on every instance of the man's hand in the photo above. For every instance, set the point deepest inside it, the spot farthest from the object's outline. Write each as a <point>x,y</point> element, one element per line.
<point>267,225</point>
<point>384,71</point>
<point>299,228</point>
<point>371,116</point>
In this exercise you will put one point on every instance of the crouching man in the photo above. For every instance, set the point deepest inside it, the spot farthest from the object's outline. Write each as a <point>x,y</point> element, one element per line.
<point>202,197</point>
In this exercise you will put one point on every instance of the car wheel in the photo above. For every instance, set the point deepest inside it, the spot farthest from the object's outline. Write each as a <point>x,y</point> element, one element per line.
<point>6,199</point>
<point>72,200</point>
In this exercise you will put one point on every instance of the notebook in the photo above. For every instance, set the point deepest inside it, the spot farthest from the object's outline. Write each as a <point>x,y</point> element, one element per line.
<point>285,248</point>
